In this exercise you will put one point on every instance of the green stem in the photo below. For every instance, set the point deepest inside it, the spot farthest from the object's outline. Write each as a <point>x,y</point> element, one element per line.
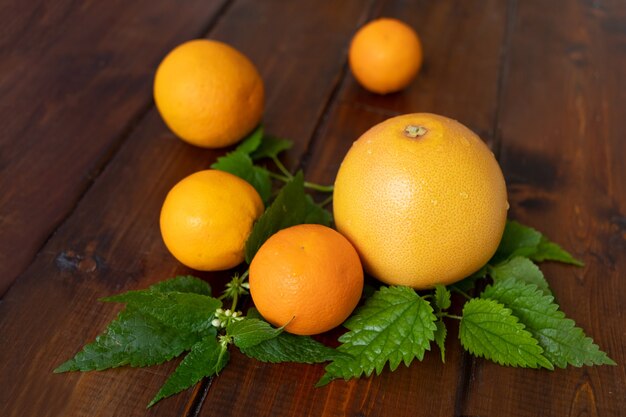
<point>281,167</point>
<point>233,306</point>
<point>287,176</point>
<point>244,276</point>
<point>452,316</point>
<point>317,187</point>
<point>309,185</point>
<point>326,201</point>
<point>459,291</point>
<point>279,177</point>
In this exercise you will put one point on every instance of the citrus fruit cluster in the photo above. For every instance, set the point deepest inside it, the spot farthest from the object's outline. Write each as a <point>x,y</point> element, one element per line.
<point>419,199</point>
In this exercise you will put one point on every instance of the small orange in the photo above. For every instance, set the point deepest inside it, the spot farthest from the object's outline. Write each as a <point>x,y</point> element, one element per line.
<point>208,93</point>
<point>422,199</point>
<point>207,217</point>
<point>385,55</point>
<point>308,276</point>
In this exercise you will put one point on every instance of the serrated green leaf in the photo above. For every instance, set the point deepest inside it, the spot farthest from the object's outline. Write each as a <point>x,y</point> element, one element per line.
<point>186,312</point>
<point>206,358</point>
<point>521,269</point>
<point>252,142</point>
<point>517,240</point>
<point>563,343</point>
<point>271,147</point>
<point>240,164</point>
<point>488,329</point>
<point>442,297</point>
<point>395,325</point>
<point>133,338</point>
<point>288,347</point>
<point>253,313</point>
<point>291,207</point>
<point>250,332</point>
<point>550,251</point>
<point>316,214</point>
<point>520,240</point>
<point>440,338</point>
<point>186,284</point>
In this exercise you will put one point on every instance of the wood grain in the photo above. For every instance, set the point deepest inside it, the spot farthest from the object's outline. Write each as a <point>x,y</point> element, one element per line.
<point>85,163</point>
<point>429,387</point>
<point>561,127</point>
<point>111,242</point>
<point>74,80</point>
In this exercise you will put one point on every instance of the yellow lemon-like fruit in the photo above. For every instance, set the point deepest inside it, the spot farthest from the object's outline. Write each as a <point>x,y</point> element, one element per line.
<point>308,276</point>
<point>385,55</point>
<point>422,199</point>
<point>207,217</point>
<point>208,93</point>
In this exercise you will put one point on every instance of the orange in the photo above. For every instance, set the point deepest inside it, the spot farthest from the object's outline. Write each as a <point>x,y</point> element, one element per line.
<point>422,199</point>
<point>207,217</point>
<point>208,93</point>
<point>308,276</point>
<point>385,55</point>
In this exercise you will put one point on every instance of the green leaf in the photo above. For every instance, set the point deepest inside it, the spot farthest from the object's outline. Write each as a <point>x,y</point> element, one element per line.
<point>440,338</point>
<point>316,214</point>
<point>206,358</point>
<point>395,325</point>
<point>187,284</point>
<point>442,297</point>
<point>563,343</point>
<point>271,147</point>
<point>550,251</point>
<point>520,240</point>
<point>488,329</point>
<point>288,348</point>
<point>186,312</point>
<point>291,207</point>
<point>240,164</point>
<point>250,332</point>
<point>517,240</point>
<point>521,269</point>
<point>133,338</point>
<point>252,142</point>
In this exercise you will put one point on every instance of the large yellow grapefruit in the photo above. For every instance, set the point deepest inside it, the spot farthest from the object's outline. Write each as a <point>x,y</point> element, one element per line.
<point>422,199</point>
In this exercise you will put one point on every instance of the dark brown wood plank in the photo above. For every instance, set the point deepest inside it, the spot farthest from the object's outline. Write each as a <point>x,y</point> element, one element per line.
<point>74,78</point>
<point>562,127</point>
<point>449,33</point>
<point>111,242</point>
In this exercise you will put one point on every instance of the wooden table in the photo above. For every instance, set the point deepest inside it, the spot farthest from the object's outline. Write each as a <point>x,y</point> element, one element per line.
<point>85,163</point>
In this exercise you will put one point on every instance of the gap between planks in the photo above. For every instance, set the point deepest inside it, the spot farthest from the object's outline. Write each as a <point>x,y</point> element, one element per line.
<point>201,390</point>
<point>468,362</point>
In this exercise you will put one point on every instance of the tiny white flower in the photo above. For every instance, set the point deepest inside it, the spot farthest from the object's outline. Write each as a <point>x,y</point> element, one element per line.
<point>228,313</point>
<point>216,323</point>
<point>219,311</point>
